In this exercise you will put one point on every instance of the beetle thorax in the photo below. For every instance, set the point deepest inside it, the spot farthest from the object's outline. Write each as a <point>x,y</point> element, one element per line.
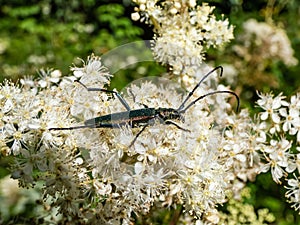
<point>169,114</point>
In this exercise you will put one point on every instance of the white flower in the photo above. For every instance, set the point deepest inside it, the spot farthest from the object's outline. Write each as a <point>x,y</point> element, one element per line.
<point>183,32</point>
<point>269,41</point>
<point>293,193</point>
<point>278,158</point>
<point>48,77</point>
<point>271,106</point>
<point>292,117</point>
<point>165,165</point>
<point>92,73</point>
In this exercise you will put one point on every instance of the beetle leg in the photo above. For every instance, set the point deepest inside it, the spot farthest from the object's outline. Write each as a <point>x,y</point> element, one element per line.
<point>176,125</point>
<point>138,134</point>
<point>122,100</point>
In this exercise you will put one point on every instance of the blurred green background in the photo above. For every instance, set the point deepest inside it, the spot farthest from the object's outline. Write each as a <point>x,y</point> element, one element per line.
<point>55,33</point>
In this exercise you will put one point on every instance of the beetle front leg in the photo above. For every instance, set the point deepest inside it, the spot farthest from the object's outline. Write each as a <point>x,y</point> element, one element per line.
<point>176,125</point>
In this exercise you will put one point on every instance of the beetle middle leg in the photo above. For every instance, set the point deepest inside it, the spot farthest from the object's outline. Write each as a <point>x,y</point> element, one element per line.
<point>138,134</point>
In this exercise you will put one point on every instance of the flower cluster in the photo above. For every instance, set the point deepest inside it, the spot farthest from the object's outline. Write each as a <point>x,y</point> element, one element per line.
<point>279,129</point>
<point>267,41</point>
<point>241,212</point>
<point>110,175</point>
<point>258,50</point>
<point>165,165</point>
<point>184,31</point>
<point>101,174</point>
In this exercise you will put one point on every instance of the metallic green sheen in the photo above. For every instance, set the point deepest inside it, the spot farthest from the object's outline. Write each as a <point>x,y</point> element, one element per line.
<point>134,118</point>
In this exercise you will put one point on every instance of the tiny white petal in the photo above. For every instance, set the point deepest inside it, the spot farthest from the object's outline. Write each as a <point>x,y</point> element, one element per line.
<point>283,112</point>
<point>138,167</point>
<point>78,161</point>
<point>135,16</point>
<point>275,118</point>
<point>286,127</point>
<point>293,182</point>
<point>78,73</point>
<point>42,83</point>
<point>276,103</point>
<point>264,115</point>
<point>273,130</point>
<point>7,106</point>
<point>294,112</point>
<point>241,158</point>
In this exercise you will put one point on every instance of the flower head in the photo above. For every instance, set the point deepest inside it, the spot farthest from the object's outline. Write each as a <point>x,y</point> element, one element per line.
<point>183,32</point>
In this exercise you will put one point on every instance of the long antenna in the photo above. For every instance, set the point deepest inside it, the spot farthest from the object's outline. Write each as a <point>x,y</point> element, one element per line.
<point>211,93</point>
<point>192,92</point>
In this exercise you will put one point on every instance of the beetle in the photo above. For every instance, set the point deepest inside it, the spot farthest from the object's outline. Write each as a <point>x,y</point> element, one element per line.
<point>144,117</point>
